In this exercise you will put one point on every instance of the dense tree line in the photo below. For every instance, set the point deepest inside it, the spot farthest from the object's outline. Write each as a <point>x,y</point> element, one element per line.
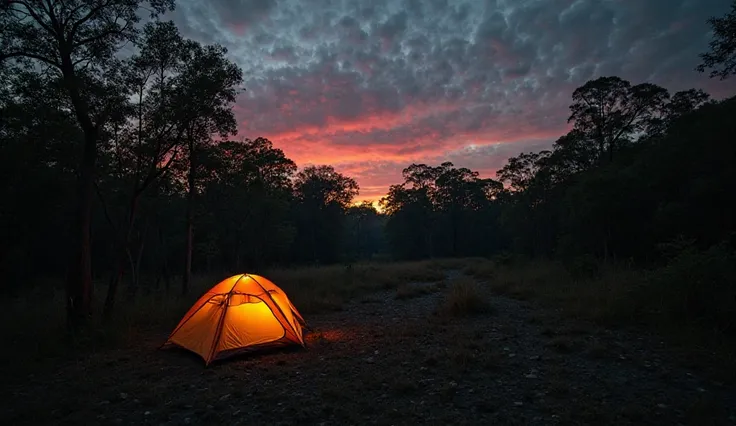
<point>128,169</point>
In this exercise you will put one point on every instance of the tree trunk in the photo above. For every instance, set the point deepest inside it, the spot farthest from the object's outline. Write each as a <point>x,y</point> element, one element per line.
<point>120,262</point>
<point>187,276</point>
<point>135,264</point>
<point>455,220</point>
<point>113,286</point>
<point>164,261</point>
<point>79,274</point>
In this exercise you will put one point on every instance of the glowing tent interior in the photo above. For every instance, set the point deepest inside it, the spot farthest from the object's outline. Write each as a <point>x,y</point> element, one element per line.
<point>239,314</point>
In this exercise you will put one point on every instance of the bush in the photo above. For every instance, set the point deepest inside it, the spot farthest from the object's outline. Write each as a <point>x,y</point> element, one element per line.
<point>696,288</point>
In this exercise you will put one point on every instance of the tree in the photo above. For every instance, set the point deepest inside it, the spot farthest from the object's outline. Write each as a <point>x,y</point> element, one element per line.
<point>206,91</point>
<point>144,139</point>
<point>363,231</point>
<point>246,191</point>
<point>721,58</point>
<point>519,171</point>
<point>441,211</point>
<point>322,195</point>
<point>77,40</point>
<point>610,111</point>
<point>38,152</point>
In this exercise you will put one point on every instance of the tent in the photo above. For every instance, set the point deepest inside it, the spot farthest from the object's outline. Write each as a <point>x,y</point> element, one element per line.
<point>239,314</point>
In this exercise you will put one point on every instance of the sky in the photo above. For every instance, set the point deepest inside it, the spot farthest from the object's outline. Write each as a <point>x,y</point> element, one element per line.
<point>371,86</point>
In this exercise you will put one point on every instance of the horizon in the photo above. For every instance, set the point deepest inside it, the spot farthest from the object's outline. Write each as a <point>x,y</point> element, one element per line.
<point>371,89</point>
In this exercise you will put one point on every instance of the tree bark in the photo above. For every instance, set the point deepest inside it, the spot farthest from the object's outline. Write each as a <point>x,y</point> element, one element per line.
<point>187,276</point>
<point>79,273</point>
<point>120,262</point>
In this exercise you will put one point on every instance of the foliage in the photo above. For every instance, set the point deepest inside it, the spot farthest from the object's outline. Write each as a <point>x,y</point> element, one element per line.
<point>721,58</point>
<point>442,211</point>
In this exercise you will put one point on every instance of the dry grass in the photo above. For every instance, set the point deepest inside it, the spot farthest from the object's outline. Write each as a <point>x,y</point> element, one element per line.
<point>318,289</point>
<point>464,298</point>
<point>35,322</point>
<point>687,302</point>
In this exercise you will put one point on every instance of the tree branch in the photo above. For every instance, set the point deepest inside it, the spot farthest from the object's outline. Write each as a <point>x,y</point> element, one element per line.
<point>90,15</point>
<point>30,55</point>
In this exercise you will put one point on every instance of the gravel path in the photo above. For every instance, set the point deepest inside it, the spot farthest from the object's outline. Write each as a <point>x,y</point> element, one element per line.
<point>383,360</point>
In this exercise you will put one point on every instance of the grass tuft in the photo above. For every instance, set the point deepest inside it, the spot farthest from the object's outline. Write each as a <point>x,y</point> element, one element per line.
<point>464,298</point>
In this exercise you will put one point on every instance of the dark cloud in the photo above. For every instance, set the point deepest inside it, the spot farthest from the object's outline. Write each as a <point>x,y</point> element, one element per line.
<point>383,82</point>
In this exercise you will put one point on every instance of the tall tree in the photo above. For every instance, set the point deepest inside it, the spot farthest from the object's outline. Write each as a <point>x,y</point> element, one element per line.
<point>207,89</point>
<point>323,196</point>
<point>77,40</point>
<point>38,154</point>
<point>246,191</point>
<point>144,138</point>
<point>609,111</point>
<point>721,58</point>
<point>519,171</point>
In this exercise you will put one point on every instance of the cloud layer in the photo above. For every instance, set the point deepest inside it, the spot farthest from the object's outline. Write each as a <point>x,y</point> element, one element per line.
<point>371,87</point>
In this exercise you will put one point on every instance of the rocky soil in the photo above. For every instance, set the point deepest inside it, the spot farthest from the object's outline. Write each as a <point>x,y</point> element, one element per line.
<point>388,360</point>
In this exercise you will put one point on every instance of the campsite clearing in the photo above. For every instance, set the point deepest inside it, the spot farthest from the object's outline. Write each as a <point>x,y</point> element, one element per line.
<point>426,353</point>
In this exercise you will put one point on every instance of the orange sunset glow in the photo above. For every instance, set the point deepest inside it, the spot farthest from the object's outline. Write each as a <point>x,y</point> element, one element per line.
<point>371,88</point>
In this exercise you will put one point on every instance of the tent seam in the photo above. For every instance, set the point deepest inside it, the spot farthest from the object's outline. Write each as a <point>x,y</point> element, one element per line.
<point>279,308</point>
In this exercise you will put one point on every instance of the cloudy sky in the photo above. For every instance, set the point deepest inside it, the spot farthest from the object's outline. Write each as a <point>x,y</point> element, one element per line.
<point>370,86</point>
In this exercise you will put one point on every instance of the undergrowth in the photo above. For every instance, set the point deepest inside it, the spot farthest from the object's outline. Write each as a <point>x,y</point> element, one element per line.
<point>34,323</point>
<point>690,299</point>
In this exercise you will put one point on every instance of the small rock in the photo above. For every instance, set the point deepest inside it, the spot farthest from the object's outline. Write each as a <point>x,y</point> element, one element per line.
<point>701,390</point>
<point>123,395</point>
<point>187,420</point>
<point>369,360</point>
<point>661,406</point>
<point>224,397</point>
<point>531,376</point>
<point>147,413</point>
<point>512,355</point>
<point>518,403</point>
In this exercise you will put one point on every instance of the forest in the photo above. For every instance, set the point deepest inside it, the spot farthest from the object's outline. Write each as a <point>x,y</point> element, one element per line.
<point>123,173</point>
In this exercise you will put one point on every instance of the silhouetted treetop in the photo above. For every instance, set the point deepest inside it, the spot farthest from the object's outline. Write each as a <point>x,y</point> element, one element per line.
<point>721,58</point>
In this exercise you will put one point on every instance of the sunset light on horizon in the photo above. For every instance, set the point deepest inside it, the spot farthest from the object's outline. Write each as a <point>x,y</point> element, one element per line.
<point>371,87</point>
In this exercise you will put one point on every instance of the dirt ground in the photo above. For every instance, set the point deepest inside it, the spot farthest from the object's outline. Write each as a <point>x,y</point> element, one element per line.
<point>383,360</point>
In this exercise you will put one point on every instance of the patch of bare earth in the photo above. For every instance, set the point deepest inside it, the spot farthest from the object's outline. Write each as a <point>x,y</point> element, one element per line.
<point>448,353</point>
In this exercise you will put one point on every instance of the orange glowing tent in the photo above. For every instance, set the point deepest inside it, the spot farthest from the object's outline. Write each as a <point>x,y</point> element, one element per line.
<point>239,314</point>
